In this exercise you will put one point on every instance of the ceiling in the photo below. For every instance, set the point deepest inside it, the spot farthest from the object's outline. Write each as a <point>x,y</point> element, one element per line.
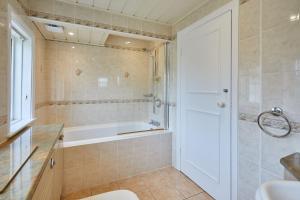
<point>90,36</point>
<point>161,11</point>
<point>82,34</point>
<point>117,40</point>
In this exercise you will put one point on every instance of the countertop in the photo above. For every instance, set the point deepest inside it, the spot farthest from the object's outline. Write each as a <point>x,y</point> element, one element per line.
<point>292,164</point>
<point>16,150</point>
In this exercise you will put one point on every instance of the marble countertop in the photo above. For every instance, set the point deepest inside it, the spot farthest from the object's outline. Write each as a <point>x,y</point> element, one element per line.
<point>292,164</point>
<point>17,149</point>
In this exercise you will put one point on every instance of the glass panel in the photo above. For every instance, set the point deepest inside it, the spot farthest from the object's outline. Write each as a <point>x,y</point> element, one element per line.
<point>121,84</point>
<point>16,76</point>
<point>158,106</point>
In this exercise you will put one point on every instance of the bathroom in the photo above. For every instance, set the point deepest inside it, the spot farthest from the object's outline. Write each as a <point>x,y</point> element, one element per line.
<point>150,100</point>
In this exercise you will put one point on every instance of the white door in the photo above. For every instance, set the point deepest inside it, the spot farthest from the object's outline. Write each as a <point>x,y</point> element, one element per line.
<point>205,104</point>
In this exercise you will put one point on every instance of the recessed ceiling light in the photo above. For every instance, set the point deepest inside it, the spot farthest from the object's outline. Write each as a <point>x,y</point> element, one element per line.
<point>294,17</point>
<point>71,33</point>
<point>128,42</point>
<point>73,47</point>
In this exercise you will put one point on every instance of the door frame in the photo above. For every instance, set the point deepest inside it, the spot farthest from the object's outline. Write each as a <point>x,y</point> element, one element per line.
<point>232,7</point>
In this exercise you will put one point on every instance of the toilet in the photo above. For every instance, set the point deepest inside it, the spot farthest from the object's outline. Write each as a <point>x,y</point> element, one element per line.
<point>114,195</point>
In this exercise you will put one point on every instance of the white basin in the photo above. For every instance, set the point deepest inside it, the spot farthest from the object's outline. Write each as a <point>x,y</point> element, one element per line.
<point>279,190</point>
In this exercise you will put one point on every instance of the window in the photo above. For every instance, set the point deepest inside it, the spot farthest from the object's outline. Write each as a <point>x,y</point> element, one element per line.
<point>21,78</point>
<point>16,76</point>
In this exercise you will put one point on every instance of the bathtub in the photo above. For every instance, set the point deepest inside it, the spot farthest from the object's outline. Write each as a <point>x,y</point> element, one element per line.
<point>102,154</point>
<point>82,135</point>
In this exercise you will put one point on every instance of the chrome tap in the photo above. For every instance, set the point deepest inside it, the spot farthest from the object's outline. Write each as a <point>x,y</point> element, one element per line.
<point>154,123</point>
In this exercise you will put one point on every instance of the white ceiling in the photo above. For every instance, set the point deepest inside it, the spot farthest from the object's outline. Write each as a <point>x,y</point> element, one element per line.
<point>162,11</point>
<point>91,36</point>
<point>82,34</point>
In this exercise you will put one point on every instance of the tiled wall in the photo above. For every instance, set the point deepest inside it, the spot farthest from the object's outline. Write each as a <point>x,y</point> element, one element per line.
<point>3,69</point>
<point>95,85</point>
<point>269,76</point>
<point>92,165</point>
<point>41,83</point>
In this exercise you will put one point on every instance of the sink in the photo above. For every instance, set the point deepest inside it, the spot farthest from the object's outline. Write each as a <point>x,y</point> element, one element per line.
<point>279,190</point>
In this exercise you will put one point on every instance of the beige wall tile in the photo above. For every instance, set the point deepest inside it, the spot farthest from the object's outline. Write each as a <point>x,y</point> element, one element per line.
<point>277,12</point>
<point>104,163</point>
<point>249,20</point>
<point>269,60</point>
<point>97,64</point>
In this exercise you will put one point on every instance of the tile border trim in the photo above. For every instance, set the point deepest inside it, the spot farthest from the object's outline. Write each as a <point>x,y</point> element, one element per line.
<point>100,101</point>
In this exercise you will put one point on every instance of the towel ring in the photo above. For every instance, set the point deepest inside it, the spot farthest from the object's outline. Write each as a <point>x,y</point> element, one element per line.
<point>276,111</point>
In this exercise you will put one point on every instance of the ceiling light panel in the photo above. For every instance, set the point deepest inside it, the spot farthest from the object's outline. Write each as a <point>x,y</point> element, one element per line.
<point>101,4</point>
<point>132,6</point>
<point>117,5</point>
<point>159,10</point>
<point>144,9</point>
<point>163,11</point>
<point>71,29</point>
<point>85,2</point>
<point>84,35</point>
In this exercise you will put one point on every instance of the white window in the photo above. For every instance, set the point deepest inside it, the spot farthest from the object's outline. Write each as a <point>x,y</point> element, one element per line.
<point>21,77</point>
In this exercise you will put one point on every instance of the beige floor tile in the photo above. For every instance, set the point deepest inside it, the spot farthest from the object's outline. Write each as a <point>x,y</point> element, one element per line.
<point>201,196</point>
<point>154,179</point>
<point>104,188</point>
<point>78,195</point>
<point>144,194</point>
<point>161,192</point>
<point>184,185</point>
<point>164,184</point>
<point>136,185</point>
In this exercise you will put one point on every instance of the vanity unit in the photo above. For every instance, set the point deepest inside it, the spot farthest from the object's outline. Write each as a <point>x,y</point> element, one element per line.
<point>291,164</point>
<point>288,189</point>
<point>31,164</point>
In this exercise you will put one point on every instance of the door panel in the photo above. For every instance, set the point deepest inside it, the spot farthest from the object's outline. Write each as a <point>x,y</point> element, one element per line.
<point>202,79</point>
<point>204,121</point>
<point>205,70</point>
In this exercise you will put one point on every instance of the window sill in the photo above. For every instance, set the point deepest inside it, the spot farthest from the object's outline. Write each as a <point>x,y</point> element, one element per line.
<point>19,126</point>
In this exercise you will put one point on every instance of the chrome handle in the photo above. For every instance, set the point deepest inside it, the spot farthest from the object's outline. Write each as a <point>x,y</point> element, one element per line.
<point>221,104</point>
<point>61,137</point>
<point>52,163</point>
<point>158,103</point>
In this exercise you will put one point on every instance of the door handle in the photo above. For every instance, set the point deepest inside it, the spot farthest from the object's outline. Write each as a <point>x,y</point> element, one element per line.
<point>221,104</point>
<point>52,163</point>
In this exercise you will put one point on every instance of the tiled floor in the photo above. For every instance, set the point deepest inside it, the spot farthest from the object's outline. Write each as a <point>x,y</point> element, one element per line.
<point>164,184</point>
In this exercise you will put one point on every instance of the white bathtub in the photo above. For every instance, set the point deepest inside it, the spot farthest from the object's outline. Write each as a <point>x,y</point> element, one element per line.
<point>82,135</point>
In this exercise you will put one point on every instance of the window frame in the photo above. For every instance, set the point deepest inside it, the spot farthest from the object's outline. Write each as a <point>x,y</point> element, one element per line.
<point>18,25</point>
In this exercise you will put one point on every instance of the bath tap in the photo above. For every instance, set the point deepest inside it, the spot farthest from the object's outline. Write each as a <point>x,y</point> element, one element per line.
<point>154,123</point>
<point>148,95</point>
